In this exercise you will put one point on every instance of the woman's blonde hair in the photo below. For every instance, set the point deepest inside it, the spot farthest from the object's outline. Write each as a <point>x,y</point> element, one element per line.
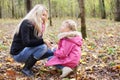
<point>35,17</point>
<point>72,25</point>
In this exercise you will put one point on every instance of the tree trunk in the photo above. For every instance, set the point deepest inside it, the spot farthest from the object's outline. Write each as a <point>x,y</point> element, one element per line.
<point>0,9</point>
<point>50,18</point>
<point>28,5</point>
<point>117,10</point>
<point>82,13</point>
<point>41,1</point>
<point>93,11</point>
<point>102,9</point>
<point>71,6</point>
<point>13,12</point>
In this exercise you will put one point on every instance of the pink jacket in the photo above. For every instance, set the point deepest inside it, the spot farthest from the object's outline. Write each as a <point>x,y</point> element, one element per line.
<point>69,50</point>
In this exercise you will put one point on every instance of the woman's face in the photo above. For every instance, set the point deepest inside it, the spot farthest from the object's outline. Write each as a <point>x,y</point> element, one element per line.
<point>44,16</point>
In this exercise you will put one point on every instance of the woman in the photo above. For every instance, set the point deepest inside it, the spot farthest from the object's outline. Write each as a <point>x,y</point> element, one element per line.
<point>28,45</point>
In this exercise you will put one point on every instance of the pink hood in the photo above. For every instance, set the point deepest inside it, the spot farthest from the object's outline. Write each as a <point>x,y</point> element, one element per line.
<point>76,40</point>
<point>73,36</point>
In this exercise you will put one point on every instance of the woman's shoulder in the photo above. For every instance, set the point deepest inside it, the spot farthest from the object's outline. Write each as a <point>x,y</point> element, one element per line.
<point>26,23</point>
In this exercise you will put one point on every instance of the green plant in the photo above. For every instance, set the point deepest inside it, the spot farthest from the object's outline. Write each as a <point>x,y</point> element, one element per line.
<point>3,47</point>
<point>112,63</point>
<point>111,50</point>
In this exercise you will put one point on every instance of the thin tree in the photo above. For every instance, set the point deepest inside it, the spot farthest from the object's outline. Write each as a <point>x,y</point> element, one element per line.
<point>41,1</point>
<point>117,10</point>
<point>50,17</point>
<point>102,9</point>
<point>93,12</point>
<point>71,6</point>
<point>13,11</point>
<point>28,5</point>
<point>82,15</point>
<point>0,9</point>
<point>112,8</point>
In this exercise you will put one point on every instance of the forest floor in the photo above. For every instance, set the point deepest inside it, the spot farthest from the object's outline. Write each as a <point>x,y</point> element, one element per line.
<point>100,53</point>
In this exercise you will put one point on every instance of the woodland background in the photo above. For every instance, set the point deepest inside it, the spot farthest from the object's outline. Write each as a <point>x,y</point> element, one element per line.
<point>99,22</point>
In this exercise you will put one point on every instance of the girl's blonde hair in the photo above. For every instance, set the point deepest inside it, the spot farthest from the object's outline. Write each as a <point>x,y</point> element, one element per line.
<point>35,17</point>
<point>72,25</point>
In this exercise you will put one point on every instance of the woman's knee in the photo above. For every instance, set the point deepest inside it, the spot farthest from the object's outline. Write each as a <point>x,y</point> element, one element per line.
<point>41,50</point>
<point>42,47</point>
<point>18,59</point>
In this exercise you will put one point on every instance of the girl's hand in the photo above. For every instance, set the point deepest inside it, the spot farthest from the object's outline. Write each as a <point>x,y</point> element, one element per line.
<point>55,46</point>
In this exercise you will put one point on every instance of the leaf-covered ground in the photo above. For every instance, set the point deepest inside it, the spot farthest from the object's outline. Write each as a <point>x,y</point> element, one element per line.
<point>100,53</point>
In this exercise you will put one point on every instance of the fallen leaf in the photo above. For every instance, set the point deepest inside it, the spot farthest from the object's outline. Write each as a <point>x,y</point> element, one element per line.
<point>84,54</point>
<point>102,65</point>
<point>10,72</point>
<point>95,56</point>
<point>117,67</point>
<point>110,35</point>
<point>82,61</point>
<point>89,68</point>
<point>38,63</point>
<point>1,77</point>
<point>0,65</point>
<point>9,59</point>
<point>89,47</point>
<point>65,79</point>
<point>101,51</point>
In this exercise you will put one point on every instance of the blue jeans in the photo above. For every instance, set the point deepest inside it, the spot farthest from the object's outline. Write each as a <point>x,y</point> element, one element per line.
<point>58,66</point>
<point>39,52</point>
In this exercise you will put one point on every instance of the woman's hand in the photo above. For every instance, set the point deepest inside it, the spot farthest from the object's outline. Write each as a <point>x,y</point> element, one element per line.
<point>39,34</point>
<point>48,43</point>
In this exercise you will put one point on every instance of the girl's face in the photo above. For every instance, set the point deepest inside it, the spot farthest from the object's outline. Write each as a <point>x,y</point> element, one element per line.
<point>64,28</point>
<point>44,17</point>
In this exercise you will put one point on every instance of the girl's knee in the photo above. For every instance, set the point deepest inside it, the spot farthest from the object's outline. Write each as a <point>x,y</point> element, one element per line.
<point>50,57</point>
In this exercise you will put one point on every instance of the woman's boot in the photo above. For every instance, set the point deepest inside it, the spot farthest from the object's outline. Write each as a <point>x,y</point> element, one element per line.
<point>28,65</point>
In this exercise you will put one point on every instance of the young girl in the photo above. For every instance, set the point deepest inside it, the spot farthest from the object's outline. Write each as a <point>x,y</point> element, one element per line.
<point>67,56</point>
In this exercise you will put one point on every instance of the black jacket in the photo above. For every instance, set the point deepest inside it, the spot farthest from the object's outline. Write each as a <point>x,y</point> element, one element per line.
<point>25,38</point>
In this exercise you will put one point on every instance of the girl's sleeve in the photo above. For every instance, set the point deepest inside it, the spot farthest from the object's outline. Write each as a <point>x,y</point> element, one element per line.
<point>60,52</point>
<point>25,32</point>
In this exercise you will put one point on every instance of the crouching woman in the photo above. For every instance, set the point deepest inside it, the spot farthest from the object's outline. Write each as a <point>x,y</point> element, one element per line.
<point>28,45</point>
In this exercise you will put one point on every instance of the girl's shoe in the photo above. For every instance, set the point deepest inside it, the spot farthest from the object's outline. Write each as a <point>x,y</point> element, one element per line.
<point>66,71</point>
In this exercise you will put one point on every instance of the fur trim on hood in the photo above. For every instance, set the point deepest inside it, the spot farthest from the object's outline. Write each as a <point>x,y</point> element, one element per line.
<point>69,34</point>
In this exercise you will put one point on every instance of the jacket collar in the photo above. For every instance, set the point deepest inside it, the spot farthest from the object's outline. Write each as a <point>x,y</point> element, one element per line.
<point>69,34</point>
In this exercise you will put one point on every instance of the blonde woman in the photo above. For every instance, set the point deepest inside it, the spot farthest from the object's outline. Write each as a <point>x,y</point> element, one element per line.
<point>28,45</point>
